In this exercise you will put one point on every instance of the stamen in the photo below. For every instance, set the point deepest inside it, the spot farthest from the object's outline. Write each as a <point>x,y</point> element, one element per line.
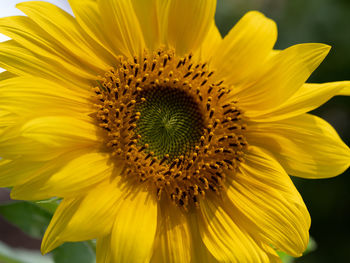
<point>175,129</point>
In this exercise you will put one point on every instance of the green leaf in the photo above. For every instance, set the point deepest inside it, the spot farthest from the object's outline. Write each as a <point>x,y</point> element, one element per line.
<point>311,246</point>
<point>11,255</point>
<point>27,216</point>
<point>74,252</point>
<point>50,205</point>
<point>285,257</point>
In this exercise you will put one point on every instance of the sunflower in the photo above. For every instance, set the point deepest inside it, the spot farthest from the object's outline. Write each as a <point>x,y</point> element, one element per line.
<point>165,141</point>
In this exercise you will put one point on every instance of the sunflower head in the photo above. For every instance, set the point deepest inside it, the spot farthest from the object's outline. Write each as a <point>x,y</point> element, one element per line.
<point>165,141</point>
<point>172,125</point>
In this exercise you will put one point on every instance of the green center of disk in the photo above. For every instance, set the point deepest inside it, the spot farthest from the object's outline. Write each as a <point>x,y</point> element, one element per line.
<point>170,121</point>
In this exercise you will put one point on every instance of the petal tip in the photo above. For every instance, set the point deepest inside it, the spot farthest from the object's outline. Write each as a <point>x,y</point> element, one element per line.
<point>47,244</point>
<point>323,49</point>
<point>255,13</point>
<point>21,5</point>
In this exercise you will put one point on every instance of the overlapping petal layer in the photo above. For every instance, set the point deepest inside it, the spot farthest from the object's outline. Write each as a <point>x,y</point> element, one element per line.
<point>283,74</point>
<point>49,140</point>
<point>134,228</point>
<point>173,238</point>
<point>245,48</point>
<point>226,240</point>
<point>307,98</point>
<point>264,194</point>
<point>99,205</point>
<point>306,146</point>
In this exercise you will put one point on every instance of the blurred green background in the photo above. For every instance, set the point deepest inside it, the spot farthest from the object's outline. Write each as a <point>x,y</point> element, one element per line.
<point>299,21</point>
<point>324,21</point>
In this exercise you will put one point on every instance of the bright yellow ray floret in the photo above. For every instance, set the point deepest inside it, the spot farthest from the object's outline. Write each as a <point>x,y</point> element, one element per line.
<point>165,141</point>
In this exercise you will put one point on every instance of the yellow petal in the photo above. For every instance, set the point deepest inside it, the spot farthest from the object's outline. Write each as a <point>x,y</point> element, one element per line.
<point>65,205</point>
<point>88,17</point>
<point>119,17</point>
<point>60,131</point>
<point>265,195</point>
<point>199,252</point>
<point>6,75</point>
<point>245,48</point>
<point>226,240</point>
<point>12,146</point>
<point>20,61</point>
<point>282,76</point>
<point>272,254</point>
<point>67,178</point>
<point>13,172</point>
<point>189,23</point>
<point>345,91</point>
<point>31,95</point>
<point>135,227</point>
<point>210,43</point>
<point>16,147</point>
<point>150,14</point>
<point>308,98</point>
<point>83,218</point>
<point>27,33</point>
<point>50,136</point>
<point>306,146</point>
<point>64,29</point>
<point>104,250</point>
<point>173,240</point>
<point>6,119</point>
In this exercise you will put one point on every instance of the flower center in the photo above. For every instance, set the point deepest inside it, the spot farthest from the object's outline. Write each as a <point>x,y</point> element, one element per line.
<point>176,131</point>
<point>170,121</point>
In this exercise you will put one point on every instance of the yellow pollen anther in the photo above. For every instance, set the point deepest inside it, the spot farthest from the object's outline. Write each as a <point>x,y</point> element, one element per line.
<point>183,168</point>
